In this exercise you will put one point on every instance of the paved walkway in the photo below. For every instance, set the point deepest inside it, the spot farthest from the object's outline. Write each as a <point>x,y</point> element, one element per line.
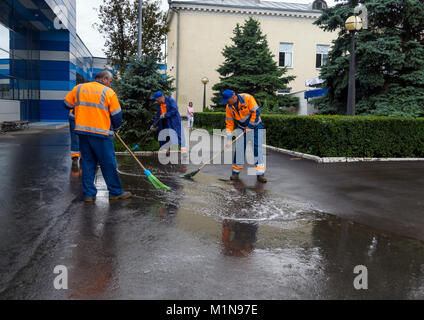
<point>298,236</point>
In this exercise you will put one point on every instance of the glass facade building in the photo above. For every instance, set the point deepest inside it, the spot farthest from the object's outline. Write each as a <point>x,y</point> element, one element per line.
<point>41,59</point>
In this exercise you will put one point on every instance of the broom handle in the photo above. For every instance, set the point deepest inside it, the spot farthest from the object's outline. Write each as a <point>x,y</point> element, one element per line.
<point>218,153</point>
<point>129,150</point>
<point>148,133</point>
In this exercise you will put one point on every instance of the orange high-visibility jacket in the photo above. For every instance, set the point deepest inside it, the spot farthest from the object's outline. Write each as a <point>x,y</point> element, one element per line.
<point>96,107</point>
<point>247,113</point>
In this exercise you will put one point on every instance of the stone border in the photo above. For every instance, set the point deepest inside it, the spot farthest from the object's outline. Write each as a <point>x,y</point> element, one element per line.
<point>299,155</point>
<point>137,153</point>
<point>335,159</point>
<point>338,159</point>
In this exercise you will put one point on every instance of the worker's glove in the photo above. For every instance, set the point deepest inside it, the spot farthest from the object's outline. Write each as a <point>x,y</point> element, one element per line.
<point>247,129</point>
<point>162,116</point>
<point>152,128</point>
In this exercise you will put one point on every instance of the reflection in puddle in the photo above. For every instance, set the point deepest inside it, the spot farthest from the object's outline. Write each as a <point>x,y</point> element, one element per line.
<point>238,238</point>
<point>294,248</point>
<point>238,202</point>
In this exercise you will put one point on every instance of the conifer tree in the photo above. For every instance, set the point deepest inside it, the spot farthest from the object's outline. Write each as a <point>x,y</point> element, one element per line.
<point>389,59</point>
<point>249,67</point>
<point>135,90</point>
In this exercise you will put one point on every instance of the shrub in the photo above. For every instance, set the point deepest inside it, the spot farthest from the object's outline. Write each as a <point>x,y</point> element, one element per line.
<point>337,136</point>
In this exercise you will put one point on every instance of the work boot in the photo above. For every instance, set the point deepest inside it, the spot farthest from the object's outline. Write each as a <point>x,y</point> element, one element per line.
<point>261,179</point>
<point>125,195</point>
<point>88,200</point>
<point>234,176</point>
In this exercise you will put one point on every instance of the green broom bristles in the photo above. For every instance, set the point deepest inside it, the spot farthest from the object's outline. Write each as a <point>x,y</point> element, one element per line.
<point>191,174</point>
<point>155,181</point>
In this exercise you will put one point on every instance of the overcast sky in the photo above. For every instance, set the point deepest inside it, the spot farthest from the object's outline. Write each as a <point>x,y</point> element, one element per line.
<point>87,15</point>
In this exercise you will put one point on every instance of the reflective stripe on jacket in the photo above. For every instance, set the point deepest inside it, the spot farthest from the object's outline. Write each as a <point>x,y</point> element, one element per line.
<point>247,113</point>
<point>96,107</point>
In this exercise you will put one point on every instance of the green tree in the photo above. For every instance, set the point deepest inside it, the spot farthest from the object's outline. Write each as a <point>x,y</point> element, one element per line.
<point>119,26</point>
<point>249,67</point>
<point>389,59</point>
<point>135,90</point>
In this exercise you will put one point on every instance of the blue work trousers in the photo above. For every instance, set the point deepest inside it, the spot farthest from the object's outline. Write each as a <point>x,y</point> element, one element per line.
<point>256,135</point>
<point>96,150</point>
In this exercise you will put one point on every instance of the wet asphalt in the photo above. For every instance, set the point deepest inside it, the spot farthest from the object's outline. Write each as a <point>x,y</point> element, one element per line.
<point>299,236</point>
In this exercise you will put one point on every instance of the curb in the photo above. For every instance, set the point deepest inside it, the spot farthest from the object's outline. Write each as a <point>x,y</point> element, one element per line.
<point>297,154</point>
<point>140,153</point>
<point>137,153</point>
<point>339,159</point>
<point>335,159</point>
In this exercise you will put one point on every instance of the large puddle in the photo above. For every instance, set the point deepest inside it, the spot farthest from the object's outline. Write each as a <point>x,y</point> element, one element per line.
<point>309,251</point>
<point>210,238</point>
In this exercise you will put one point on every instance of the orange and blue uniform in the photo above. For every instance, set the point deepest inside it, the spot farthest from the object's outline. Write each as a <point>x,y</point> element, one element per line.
<point>171,120</point>
<point>97,115</point>
<point>97,109</point>
<point>246,113</point>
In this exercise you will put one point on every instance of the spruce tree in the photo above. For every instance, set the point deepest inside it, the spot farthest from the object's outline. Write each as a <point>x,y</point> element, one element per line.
<point>249,67</point>
<point>389,59</point>
<point>135,90</point>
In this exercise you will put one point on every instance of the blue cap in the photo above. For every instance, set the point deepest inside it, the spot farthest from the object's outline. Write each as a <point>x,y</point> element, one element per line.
<point>157,94</point>
<point>227,94</point>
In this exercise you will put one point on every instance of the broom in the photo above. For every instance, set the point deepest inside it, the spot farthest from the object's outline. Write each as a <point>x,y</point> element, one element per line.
<point>145,136</point>
<point>155,181</point>
<point>192,174</point>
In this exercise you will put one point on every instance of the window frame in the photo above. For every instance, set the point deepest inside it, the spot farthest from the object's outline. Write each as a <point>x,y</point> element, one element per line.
<point>292,55</point>
<point>321,54</point>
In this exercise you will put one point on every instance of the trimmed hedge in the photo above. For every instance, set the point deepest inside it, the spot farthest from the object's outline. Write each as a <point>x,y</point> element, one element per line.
<point>337,136</point>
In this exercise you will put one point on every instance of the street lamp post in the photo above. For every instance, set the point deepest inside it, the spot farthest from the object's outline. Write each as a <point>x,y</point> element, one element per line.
<point>140,29</point>
<point>204,81</point>
<point>352,24</point>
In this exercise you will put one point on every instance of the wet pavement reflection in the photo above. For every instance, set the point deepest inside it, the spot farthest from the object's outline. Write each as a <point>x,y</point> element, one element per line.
<point>208,238</point>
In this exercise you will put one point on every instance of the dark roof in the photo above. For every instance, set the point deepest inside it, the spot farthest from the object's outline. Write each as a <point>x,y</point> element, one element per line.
<point>251,4</point>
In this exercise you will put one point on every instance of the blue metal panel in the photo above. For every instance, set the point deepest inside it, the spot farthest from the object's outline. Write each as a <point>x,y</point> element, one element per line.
<point>28,37</point>
<point>55,75</point>
<point>59,35</point>
<point>54,45</point>
<point>55,65</point>
<point>56,85</point>
<point>53,110</point>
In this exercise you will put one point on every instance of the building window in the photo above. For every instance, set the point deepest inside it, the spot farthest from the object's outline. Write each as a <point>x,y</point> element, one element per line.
<point>322,55</point>
<point>284,91</point>
<point>286,55</point>
<point>319,5</point>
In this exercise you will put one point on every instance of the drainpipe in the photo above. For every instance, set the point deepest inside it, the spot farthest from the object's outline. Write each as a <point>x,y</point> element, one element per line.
<point>178,50</point>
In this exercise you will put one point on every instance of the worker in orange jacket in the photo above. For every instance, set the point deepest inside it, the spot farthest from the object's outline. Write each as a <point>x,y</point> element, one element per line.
<point>242,109</point>
<point>97,115</point>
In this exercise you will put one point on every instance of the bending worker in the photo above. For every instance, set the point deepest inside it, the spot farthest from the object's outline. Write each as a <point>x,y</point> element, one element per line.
<point>97,115</point>
<point>169,119</point>
<point>243,109</point>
